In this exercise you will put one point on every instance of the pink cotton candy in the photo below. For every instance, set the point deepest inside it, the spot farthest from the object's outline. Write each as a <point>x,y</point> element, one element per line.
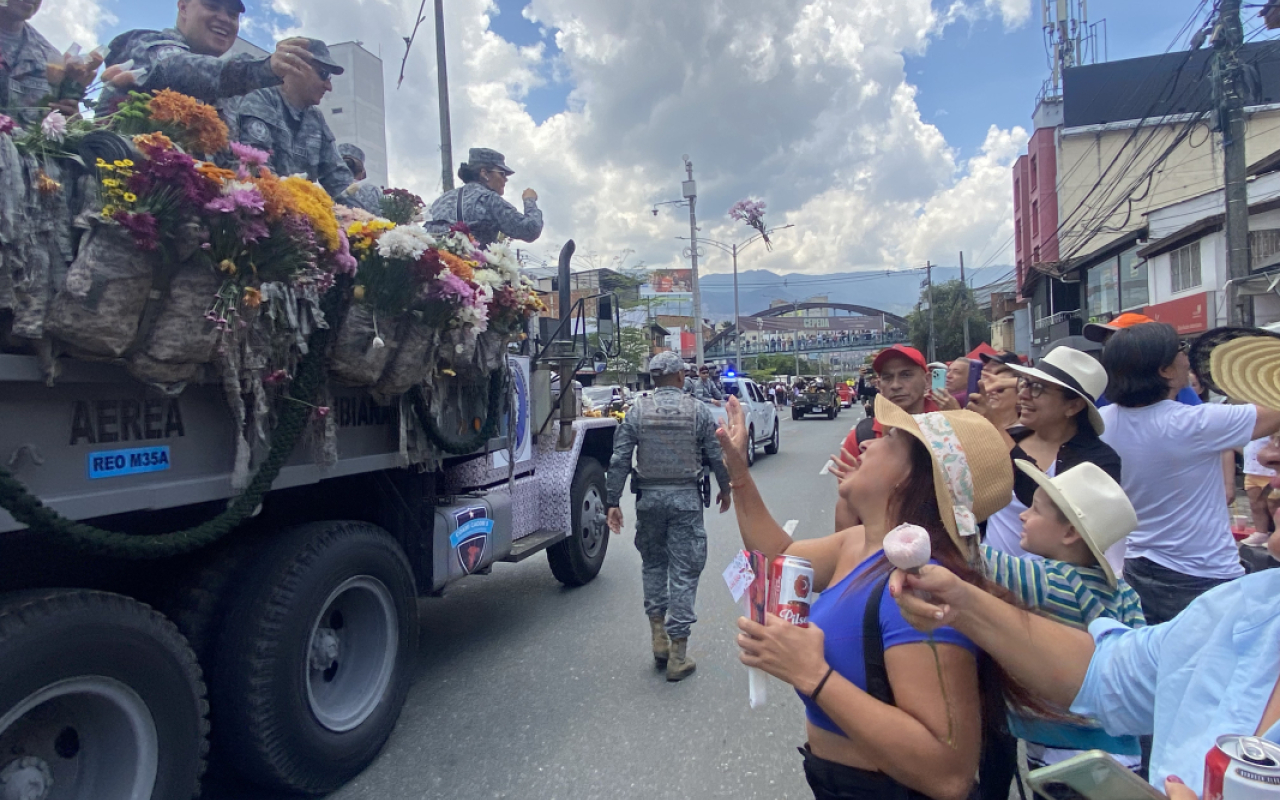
<point>907,547</point>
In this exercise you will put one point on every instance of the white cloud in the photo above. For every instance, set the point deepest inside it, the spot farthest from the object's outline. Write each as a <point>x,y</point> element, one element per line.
<point>67,22</point>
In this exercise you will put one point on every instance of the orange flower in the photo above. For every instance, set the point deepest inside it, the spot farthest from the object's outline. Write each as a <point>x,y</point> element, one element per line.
<point>47,185</point>
<point>214,174</point>
<point>206,133</point>
<point>152,142</point>
<point>273,192</point>
<point>311,201</point>
<point>463,269</point>
<point>252,297</point>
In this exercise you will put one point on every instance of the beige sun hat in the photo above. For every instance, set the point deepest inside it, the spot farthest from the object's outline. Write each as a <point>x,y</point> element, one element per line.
<point>972,472</point>
<point>1248,369</point>
<point>1077,372</point>
<point>1093,503</point>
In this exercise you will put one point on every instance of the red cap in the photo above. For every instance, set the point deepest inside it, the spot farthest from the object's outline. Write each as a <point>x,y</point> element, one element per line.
<point>899,351</point>
<point>1099,331</point>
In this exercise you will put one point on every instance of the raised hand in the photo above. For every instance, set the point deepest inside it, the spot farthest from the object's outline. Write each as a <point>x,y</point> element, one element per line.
<point>529,194</point>
<point>291,58</point>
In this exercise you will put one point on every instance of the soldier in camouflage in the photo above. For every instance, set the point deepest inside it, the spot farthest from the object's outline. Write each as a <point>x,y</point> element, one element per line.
<point>478,202</point>
<point>188,58</point>
<point>707,388</point>
<point>367,196</point>
<point>24,59</point>
<point>285,121</point>
<point>672,436</point>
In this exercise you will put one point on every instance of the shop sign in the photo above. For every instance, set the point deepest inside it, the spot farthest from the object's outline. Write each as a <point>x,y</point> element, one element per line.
<point>1187,314</point>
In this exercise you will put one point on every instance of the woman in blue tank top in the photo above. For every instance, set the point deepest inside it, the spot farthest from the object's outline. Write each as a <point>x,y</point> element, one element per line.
<point>880,722</point>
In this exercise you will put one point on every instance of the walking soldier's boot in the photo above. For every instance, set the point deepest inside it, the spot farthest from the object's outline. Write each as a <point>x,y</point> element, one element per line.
<point>661,643</point>
<point>679,665</point>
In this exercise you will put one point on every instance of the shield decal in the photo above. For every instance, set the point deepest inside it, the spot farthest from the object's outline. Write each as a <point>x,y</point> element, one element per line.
<point>471,540</point>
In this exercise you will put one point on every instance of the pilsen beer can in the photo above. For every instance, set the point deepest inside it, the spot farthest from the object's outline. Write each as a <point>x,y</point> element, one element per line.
<point>1242,768</point>
<point>791,589</point>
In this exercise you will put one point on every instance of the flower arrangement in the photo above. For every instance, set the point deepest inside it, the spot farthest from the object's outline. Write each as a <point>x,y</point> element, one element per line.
<point>751,212</point>
<point>190,123</point>
<point>71,76</point>
<point>401,206</point>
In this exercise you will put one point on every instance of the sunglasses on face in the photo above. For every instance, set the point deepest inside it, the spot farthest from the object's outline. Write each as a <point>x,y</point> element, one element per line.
<point>1034,388</point>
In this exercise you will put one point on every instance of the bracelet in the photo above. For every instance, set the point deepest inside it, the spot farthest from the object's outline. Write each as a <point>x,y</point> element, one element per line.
<point>821,683</point>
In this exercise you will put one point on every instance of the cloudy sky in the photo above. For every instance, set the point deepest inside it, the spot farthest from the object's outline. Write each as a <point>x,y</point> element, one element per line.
<point>884,131</point>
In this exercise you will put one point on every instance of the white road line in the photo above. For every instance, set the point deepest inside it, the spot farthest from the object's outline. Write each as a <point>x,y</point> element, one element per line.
<point>791,526</point>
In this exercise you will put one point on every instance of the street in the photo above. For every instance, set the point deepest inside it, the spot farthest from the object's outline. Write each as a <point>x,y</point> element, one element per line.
<point>526,689</point>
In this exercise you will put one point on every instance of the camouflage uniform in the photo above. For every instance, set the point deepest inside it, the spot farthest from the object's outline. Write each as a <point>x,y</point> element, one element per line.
<point>669,531</point>
<point>167,62</point>
<point>487,214</point>
<point>707,389</point>
<point>299,141</point>
<point>24,80</point>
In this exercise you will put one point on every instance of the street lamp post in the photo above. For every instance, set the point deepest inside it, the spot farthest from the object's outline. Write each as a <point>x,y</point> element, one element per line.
<point>733,250</point>
<point>689,190</point>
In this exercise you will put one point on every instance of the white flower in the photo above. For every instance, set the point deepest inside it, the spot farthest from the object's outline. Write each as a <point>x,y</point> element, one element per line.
<point>54,126</point>
<point>488,279</point>
<point>501,258</point>
<point>907,547</point>
<point>378,344</point>
<point>407,242</point>
<point>458,244</point>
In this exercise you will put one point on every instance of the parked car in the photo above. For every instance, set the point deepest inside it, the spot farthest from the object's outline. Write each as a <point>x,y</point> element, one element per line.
<point>846,395</point>
<point>816,397</point>
<point>762,415</point>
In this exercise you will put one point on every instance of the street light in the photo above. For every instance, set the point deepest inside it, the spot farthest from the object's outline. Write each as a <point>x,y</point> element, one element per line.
<point>689,189</point>
<point>733,250</point>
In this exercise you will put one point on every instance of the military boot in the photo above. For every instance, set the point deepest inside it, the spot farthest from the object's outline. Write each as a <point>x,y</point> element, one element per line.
<point>661,643</point>
<point>679,665</point>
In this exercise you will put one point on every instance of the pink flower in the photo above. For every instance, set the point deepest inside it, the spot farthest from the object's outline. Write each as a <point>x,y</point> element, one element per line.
<point>344,262</point>
<point>322,412</point>
<point>249,156</point>
<point>907,547</point>
<point>54,126</point>
<point>7,124</point>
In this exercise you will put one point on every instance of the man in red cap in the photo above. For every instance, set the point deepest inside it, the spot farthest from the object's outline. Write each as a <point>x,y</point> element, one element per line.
<point>903,378</point>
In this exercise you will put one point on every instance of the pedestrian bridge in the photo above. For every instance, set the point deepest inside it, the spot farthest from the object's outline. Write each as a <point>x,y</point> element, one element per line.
<point>727,348</point>
<point>773,331</point>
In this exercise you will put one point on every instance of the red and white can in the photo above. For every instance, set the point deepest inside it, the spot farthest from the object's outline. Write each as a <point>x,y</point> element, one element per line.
<point>791,589</point>
<point>1242,768</point>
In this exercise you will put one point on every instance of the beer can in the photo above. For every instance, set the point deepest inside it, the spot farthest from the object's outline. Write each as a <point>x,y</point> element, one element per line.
<point>1242,768</point>
<point>791,589</point>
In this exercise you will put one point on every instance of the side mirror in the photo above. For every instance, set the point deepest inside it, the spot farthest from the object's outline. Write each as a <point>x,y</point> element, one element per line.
<point>601,363</point>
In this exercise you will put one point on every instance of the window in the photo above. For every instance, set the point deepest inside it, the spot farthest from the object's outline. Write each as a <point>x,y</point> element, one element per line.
<point>1133,281</point>
<point>336,110</point>
<point>1033,173</point>
<point>1017,191</point>
<point>1184,267</point>
<point>1103,291</point>
<point>1017,231</point>
<point>1035,255</point>
<point>1264,246</point>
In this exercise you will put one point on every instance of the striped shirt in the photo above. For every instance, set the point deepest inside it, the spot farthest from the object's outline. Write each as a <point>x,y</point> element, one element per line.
<point>1075,596</point>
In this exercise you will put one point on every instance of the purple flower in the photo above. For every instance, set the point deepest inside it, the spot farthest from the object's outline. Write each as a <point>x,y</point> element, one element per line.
<point>220,205</point>
<point>249,156</point>
<point>344,262</point>
<point>54,126</point>
<point>143,227</point>
<point>7,124</point>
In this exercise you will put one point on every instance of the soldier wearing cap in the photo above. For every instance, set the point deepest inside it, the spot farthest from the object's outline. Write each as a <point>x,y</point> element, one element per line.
<point>24,59</point>
<point>672,435</point>
<point>188,58</point>
<point>285,121</point>
<point>367,196</point>
<point>478,202</point>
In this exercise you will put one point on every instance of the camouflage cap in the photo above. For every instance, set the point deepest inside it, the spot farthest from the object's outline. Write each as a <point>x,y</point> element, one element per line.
<point>484,157</point>
<point>348,150</point>
<point>320,54</point>
<point>667,363</point>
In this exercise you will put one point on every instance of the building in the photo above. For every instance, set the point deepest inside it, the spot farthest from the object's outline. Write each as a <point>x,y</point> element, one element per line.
<point>586,284</point>
<point>1121,140</point>
<point>355,109</point>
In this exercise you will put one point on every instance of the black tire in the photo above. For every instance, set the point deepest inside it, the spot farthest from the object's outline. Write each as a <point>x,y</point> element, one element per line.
<point>197,599</point>
<point>775,441</point>
<point>796,414</point>
<point>110,661</point>
<point>348,582</point>
<point>576,561</point>
<point>751,446</point>
<point>831,413</point>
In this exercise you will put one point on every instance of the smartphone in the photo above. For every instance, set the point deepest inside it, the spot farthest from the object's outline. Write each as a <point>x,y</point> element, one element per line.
<point>1093,775</point>
<point>939,379</point>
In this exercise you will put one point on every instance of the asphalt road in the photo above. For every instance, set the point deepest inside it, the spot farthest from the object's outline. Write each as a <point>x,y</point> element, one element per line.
<point>526,689</point>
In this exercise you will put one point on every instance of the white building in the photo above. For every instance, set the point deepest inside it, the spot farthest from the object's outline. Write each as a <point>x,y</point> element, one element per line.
<point>356,108</point>
<point>1186,256</point>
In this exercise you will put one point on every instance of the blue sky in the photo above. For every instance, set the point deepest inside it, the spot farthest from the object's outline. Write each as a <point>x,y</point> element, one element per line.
<point>975,75</point>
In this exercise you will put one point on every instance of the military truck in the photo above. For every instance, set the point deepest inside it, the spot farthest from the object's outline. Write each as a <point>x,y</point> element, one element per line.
<point>816,397</point>
<point>148,607</point>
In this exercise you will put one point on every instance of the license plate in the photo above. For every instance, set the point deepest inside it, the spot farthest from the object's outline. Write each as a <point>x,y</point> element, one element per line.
<point>117,463</point>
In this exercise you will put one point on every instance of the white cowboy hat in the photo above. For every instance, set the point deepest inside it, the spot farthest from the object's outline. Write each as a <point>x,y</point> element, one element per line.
<point>1074,371</point>
<point>1093,503</point>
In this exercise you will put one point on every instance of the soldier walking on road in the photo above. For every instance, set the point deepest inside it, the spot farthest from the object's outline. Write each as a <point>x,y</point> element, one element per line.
<point>672,435</point>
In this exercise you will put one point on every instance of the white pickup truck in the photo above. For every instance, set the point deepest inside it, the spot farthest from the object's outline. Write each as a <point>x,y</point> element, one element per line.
<point>762,415</point>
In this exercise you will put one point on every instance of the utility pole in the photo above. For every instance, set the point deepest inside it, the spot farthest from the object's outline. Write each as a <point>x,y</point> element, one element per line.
<point>928,267</point>
<point>964,303</point>
<point>1230,86</point>
<point>737,332</point>
<point>689,189</point>
<point>442,77</point>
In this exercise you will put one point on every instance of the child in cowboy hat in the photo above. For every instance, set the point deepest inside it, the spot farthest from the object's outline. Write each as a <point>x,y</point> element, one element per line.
<point>1072,521</point>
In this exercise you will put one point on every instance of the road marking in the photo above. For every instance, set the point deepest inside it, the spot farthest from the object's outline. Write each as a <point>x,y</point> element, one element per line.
<point>791,526</point>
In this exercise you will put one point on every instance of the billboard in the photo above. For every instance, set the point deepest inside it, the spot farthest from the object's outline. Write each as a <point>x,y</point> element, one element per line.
<point>669,281</point>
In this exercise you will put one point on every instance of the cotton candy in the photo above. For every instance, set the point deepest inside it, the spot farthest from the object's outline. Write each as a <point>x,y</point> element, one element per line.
<point>907,547</point>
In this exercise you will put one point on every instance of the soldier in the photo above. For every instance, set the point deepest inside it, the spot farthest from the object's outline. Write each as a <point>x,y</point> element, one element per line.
<point>672,435</point>
<point>24,59</point>
<point>188,58</point>
<point>478,202</point>
<point>285,121</point>
<point>368,196</point>
<point>706,388</point>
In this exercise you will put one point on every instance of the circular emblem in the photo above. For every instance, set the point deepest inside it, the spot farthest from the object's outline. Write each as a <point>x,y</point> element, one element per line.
<point>258,130</point>
<point>802,586</point>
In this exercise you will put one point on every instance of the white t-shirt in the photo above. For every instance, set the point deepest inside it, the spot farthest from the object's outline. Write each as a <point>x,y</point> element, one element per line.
<point>1251,464</point>
<point>1172,455</point>
<point>1004,528</point>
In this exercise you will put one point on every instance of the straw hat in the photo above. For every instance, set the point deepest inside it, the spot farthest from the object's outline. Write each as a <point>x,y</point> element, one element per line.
<point>1077,372</point>
<point>1242,363</point>
<point>972,473</point>
<point>1093,503</point>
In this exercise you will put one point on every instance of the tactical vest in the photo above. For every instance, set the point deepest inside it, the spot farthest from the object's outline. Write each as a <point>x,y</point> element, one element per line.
<point>667,451</point>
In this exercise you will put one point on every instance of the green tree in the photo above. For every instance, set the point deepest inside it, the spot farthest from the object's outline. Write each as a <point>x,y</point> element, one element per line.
<point>952,303</point>
<point>633,346</point>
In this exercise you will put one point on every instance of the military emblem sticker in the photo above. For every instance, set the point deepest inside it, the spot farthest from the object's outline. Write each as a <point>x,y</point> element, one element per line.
<point>471,540</point>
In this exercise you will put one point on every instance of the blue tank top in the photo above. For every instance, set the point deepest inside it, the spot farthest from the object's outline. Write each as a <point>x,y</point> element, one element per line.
<point>839,610</point>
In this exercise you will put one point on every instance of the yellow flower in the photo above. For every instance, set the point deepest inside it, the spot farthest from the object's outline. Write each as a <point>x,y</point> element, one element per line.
<point>228,266</point>
<point>110,183</point>
<point>121,164</point>
<point>108,211</point>
<point>358,293</point>
<point>130,197</point>
<point>314,203</point>
<point>127,162</point>
<point>252,297</point>
<point>101,163</point>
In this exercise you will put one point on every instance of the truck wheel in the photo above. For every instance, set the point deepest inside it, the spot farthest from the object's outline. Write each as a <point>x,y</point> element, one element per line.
<point>751,446</point>
<point>772,447</point>
<point>577,560</point>
<point>100,699</point>
<point>795,414</point>
<point>315,656</point>
<point>196,601</point>
<point>831,413</point>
